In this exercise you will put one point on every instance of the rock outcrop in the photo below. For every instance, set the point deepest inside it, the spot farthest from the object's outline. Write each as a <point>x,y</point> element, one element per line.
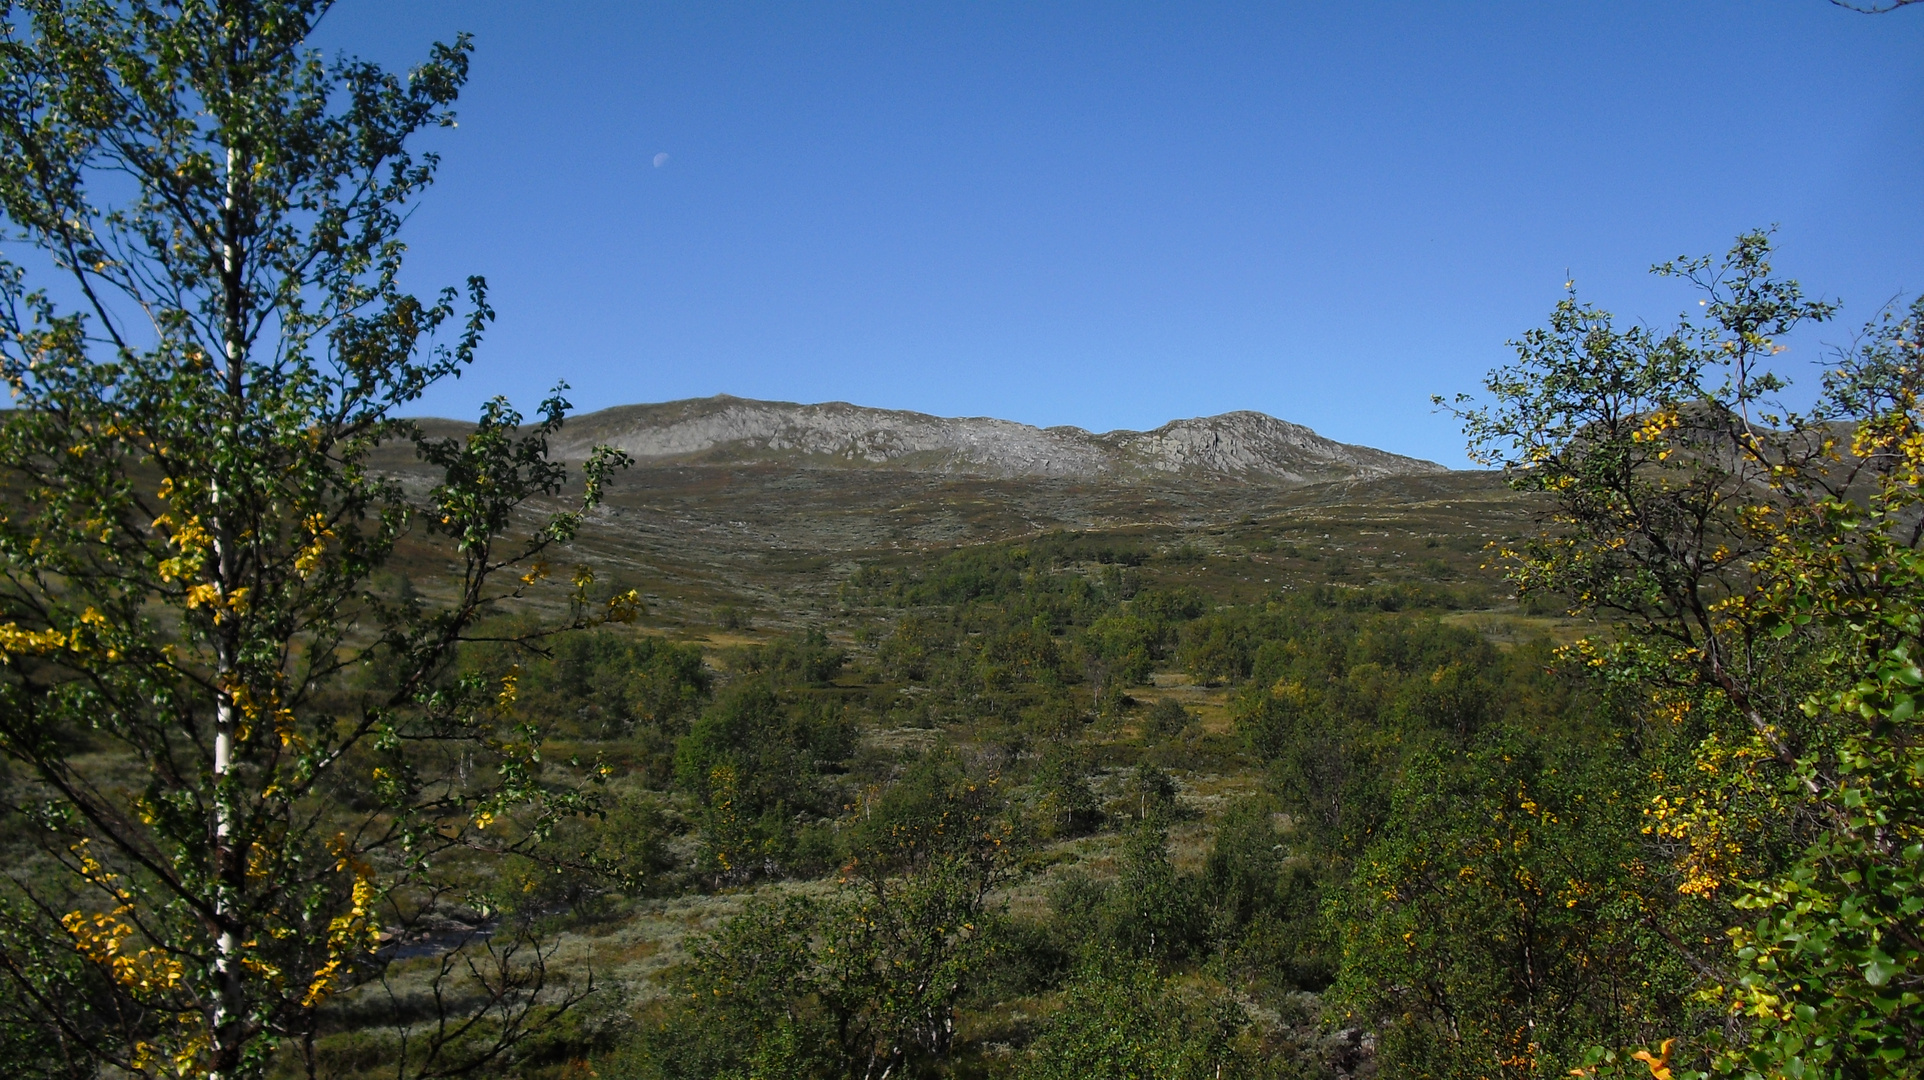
<point>1247,446</point>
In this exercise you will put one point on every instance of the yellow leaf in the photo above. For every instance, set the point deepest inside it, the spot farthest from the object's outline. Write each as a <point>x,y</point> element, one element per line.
<point>1660,1064</point>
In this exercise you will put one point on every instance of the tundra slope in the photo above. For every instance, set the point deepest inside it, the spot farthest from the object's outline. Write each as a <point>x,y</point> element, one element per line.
<point>722,430</point>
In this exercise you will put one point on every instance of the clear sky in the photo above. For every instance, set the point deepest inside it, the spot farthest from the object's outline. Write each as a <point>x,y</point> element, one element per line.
<point>1112,215</point>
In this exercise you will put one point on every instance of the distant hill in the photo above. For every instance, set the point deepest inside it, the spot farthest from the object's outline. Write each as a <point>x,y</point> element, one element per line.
<point>1244,446</point>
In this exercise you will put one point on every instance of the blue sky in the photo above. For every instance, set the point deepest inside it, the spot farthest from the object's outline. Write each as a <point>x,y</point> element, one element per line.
<point>1111,215</point>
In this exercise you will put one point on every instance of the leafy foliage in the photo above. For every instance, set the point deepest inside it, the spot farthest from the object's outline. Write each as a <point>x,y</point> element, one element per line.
<point>233,751</point>
<point>1121,1018</point>
<point>1499,917</point>
<point>863,982</point>
<point>754,764</point>
<point>1762,561</point>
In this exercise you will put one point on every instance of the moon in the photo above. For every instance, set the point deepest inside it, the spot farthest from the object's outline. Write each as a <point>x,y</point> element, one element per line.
<point>660,160</point>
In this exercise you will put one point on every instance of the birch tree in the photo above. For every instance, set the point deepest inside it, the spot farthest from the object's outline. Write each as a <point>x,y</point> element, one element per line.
<point>243,761</point>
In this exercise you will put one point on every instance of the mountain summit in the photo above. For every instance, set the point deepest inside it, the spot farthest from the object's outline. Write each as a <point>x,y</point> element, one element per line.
<point>723,430</point>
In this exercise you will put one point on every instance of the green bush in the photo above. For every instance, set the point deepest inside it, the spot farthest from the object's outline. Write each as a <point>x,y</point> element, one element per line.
<point>754,764</point>
<point>1166,719</point>
<point>1121,1018</point>
<point>1062,802</point>
<point>806,659</point>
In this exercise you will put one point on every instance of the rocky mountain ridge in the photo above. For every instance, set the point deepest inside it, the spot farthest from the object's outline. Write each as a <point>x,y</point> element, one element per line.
<point>722,430</point>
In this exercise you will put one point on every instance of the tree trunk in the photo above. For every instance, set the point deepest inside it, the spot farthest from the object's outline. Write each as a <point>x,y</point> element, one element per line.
<point>228,1020</point>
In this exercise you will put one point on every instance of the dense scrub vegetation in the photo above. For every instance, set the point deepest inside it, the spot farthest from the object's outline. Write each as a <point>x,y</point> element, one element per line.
<point>1037,861</point>
<point>1036,884</point>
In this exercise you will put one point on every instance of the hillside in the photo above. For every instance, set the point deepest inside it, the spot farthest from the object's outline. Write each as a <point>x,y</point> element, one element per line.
<point>1087,649</point>
<point>962,611</point>
<point>768,506</point>
<point>1237,446</point>
<point>781,540</point>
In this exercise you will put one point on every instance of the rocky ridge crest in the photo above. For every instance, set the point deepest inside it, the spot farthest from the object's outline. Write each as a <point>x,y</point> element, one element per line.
<point>1245,446</point>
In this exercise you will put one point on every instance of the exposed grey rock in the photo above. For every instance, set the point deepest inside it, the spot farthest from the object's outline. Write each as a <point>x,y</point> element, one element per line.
<point>1248,446</point>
